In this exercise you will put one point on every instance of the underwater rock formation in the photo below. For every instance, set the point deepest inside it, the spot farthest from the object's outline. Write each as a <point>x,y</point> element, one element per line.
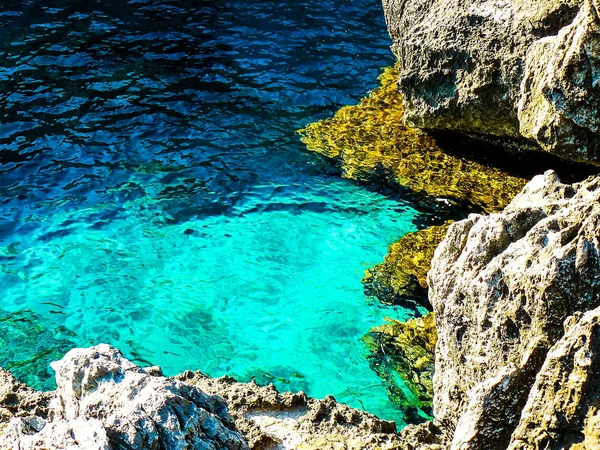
<point>371,144</point>
<point>103,401</point>
<point>402,275</point>
<point>523,72</point>
<point>516,297</point>
<point>402,354</point>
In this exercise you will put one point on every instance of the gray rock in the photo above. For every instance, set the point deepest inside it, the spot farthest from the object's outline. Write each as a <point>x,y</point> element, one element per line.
<point>562,408</point>
<point>522,71</point>
<point>501,287</point>
<point>104,399</point>
<point>18,400</point>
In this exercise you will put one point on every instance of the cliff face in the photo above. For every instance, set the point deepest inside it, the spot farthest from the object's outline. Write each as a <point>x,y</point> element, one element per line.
<point>520,71</point>
<point>516,297</point>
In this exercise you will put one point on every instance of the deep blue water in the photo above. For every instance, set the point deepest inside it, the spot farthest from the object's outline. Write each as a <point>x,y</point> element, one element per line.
<point>154,194</point>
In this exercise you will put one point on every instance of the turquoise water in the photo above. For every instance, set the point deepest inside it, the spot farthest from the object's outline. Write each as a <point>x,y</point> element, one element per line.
<point>154,195</point>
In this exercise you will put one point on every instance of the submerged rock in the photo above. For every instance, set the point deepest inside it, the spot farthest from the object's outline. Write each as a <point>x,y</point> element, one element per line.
<point>502,286</point>
<point>103,401</point>
<point>402,275</point>
<point>402,354</point>
<point>371,144</point>
<point>518,71</point>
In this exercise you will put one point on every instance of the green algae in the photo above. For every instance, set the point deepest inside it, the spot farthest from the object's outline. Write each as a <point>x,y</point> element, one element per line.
<point>402,354</point>
<point>403,273</point>
<point>370,142</point>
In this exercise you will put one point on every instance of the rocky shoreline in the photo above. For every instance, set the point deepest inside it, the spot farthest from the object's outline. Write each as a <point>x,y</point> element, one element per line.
<point>516,298</point>
<point>514,286</point>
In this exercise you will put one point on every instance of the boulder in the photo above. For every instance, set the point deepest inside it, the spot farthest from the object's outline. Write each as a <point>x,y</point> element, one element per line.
<point>502,287</point>
<point>104,401</point>
<point>518,72</point>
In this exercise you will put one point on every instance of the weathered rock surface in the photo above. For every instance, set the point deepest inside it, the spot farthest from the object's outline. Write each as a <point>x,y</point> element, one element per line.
<point>272,420</point>
<point>520,70</point>
<point>103,401</point>
<point>17,400</point>
<point>502,286</point>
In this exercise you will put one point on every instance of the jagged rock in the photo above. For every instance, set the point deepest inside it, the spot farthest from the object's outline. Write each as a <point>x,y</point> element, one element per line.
<point>17,400</point>
<point>272,420</point>
<point>402,354</point>
<point>524,71</point>
<point>562,410</point>
<point>104,399</point>
<point>501,287</point>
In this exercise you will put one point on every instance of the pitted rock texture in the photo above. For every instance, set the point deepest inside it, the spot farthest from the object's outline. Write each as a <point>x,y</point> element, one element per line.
<point>103,401</point>
<point>502,287</point>
<point>562,410</point>
<point>271,420</point>
<point>524,71</point>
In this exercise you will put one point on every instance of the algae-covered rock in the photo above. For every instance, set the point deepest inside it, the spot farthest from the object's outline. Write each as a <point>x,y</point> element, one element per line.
<point>402,354</point>
<point>370,143</point>
<point>403,273</point>
<point>522,72</point>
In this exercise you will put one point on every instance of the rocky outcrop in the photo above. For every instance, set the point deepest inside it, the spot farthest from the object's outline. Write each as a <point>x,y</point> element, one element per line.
<point>502,287</point>
<point>402,354</point>
<point>103,401</point>
<point>524,72</point>
<point>17,400</point>
<point>272,420</point>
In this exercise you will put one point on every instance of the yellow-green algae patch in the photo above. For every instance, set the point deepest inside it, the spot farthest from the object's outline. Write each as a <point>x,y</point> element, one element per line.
<point>403,272</point>
<point>402,354</point>
<point>370,142</point>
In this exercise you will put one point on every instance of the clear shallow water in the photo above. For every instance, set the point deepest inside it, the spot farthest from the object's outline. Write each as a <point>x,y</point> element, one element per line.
<point>155,197</point>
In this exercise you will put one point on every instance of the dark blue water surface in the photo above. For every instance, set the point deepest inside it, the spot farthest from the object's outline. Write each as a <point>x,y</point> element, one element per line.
<point>154,194</point>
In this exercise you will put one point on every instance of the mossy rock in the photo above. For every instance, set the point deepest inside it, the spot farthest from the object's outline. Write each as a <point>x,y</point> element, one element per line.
<point>370,143</point>
<point>402,354</point>
<point>402,276</point>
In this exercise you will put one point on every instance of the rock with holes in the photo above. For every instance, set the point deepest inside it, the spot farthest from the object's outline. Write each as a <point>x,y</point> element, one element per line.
<point>502,287</point>
<point>563,407</point>
<point>517,71</point>
<point>104,401</point>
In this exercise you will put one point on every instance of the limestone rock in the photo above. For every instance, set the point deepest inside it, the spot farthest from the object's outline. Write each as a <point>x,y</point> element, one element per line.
<point>562,410</point>
<point>104,398</point>
<point>17,400</point>
<point>518,70</point>
<point>501,287</point>
<point>272,420</point>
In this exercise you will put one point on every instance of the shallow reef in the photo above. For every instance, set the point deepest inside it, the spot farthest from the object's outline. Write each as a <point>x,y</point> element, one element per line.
<point>402,276</point>
<point>370,143</point>
<point>402,354</point>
